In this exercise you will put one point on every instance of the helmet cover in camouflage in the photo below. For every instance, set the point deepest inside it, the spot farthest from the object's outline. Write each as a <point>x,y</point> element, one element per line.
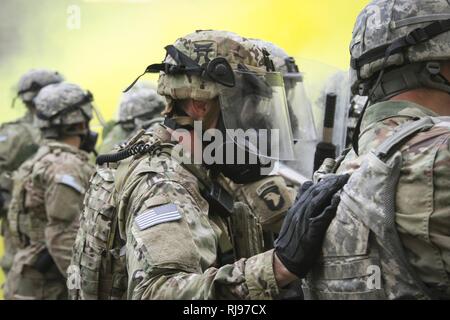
<point>384,21</point>
<point>203,46</point>
<point>283,62</point>
<point>205,65</point>
<point>62,104</point>
<point>141,102</point>
<point>34,80</point>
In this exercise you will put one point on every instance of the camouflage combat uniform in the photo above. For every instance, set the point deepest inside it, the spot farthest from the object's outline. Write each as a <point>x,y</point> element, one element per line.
<point>182,259</point>
<point>202,237</point>
<point>170,229</point>
<point>18,141</point>
<point>390,238</point>
<point>422,212</point>
<point>47,194</point>
<point>44,217</point>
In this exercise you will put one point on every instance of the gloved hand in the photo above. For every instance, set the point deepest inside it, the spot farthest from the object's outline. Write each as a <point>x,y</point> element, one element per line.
<point>301,236</point>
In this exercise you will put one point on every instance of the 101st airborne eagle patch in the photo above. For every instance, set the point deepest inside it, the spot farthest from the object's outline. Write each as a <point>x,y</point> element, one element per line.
<point>157,215</point>
<point>270,193</point>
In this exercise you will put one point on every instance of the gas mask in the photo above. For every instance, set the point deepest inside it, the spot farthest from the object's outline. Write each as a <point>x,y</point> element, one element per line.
<point>240,173</point>
<point>88,141</point>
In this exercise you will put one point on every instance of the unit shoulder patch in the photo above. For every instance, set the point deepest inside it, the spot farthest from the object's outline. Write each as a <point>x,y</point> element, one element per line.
<point>270,193</point>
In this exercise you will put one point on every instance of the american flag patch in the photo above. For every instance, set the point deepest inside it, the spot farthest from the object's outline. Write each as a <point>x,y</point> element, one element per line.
<point>157,215</point>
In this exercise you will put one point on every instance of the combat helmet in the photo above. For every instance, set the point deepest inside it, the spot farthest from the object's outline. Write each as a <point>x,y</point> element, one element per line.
<point>221,65</point>
<point>34,80</point>
<point>398,46</point>
<point>60,108</point>
<point>249,94</point>
<point>140,106</point>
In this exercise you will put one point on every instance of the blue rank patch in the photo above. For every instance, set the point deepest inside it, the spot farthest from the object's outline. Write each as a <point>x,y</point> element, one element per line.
<point>157,215</point>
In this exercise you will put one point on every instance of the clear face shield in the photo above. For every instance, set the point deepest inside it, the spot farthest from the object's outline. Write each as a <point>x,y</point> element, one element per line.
<point>256,117</point>
<point>303,126</point>
<point>254,126</point>
<point>300,109</point>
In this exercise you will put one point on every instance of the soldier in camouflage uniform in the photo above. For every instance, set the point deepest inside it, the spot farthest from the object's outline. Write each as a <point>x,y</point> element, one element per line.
<point>48,192</point>
<point>161,226</point>
<point>19,140</point>
<point>391,235</point>
<point>140,108</point>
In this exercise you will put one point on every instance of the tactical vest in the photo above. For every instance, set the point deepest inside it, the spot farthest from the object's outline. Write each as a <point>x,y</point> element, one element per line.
<point>362,254</point>
<point>98,266</point>
<point>97,269</point>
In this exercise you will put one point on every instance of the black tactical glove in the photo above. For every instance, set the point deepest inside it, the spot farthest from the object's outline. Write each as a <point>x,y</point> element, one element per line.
<point>300,240</point>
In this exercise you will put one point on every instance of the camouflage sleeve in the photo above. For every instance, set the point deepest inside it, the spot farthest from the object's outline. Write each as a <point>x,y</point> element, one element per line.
<point>16,145</point>
<point>63,201</point>
<point>172,251</point>
<point>423,207</point>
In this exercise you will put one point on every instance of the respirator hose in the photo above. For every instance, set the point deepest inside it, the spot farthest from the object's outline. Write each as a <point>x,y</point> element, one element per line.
<point>139,148</point>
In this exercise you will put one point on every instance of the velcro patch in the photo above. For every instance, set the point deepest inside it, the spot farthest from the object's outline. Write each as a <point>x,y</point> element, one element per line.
<point>70,181</point>
<point>157,215</point>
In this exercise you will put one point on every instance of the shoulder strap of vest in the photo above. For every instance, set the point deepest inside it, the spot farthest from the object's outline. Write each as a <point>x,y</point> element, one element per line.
<point>401,135</point>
